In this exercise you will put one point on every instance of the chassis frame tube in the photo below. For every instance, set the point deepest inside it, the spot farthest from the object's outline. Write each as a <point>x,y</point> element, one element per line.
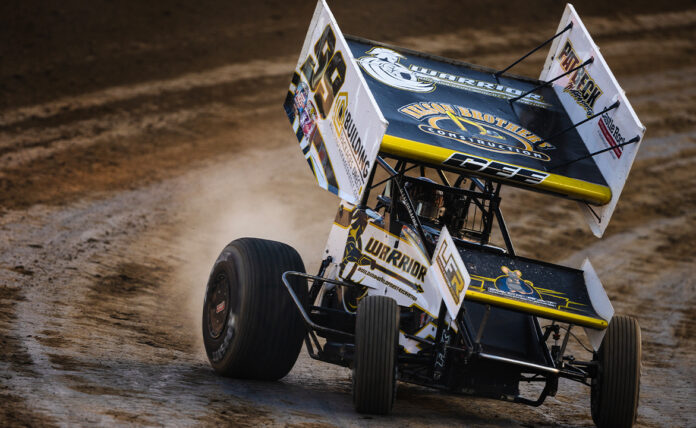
<point>311,325</point>
<point>537,367</point>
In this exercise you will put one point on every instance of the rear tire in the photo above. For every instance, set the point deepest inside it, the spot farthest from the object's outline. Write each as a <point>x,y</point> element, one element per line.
<point>251,327</point>
<point>376,348</point>
<point>615,391</point>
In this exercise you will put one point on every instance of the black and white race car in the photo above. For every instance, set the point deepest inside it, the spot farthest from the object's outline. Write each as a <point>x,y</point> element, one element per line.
<point>411,287</point>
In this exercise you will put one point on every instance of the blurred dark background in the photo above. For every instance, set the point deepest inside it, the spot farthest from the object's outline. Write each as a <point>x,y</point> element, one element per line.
<point>50,49</point>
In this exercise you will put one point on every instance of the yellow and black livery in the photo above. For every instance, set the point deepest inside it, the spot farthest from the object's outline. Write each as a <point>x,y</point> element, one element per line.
<point>461,117</point>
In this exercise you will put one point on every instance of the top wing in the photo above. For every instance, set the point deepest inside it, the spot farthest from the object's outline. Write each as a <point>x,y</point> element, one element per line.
<point>459,115</point>
<point>351,98</point>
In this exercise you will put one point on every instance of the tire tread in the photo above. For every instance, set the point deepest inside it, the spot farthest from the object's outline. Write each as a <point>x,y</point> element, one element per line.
<point>615,397</point>
<point>374,371</point>
<point>270,330</point>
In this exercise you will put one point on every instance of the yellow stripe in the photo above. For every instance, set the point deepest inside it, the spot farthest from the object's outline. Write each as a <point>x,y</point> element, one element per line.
<point>541,311</point>
<point>578,189</point>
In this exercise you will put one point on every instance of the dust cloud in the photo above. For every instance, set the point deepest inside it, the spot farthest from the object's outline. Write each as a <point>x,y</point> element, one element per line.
<point>268,194</point>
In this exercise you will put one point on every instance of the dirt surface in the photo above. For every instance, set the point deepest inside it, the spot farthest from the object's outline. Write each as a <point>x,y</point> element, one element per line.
<point>138,138</point>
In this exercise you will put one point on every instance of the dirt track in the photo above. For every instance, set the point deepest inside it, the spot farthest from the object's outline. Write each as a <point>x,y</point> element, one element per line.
<point>136,141</point>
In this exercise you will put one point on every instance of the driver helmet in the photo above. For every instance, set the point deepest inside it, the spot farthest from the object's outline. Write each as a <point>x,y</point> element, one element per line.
<point>427,200</point>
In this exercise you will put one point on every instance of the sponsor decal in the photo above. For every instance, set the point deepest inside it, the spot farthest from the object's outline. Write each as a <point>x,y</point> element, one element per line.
<point>308,120</point>
<point>511,285</point>
<point>522,298</point>
<point>301,96</point>
<point>384,65</point>
<point>441,354</point>
<point>350,144</point>
<point>475,128</point>
<point>585,91</point>
<point>451,272</point>
<point>305,110</point>
<point>512,282</point>
<point>581,86</point>
<point>220,307</point>
<point>396,258</point>
<point>611,134</point>
<point>356,256</point>
<point>406,201</point>
<point>381,279</point>
<point>485,166</point>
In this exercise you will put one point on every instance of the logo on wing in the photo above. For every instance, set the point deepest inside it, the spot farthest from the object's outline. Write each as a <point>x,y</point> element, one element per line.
<point>383,65</point>
<point>512,282</point>
<point>453,276</point>
<point>581,86</point>
<point>477,128</point>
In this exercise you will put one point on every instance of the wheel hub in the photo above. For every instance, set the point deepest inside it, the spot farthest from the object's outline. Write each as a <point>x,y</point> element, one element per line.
<point>218,305</point>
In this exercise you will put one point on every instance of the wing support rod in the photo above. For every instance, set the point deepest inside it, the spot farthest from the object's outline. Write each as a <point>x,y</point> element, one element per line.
<point>625,143</point>
<point>546,140</point>
<point>499,73</point>
<point>588,62</point>
<point>411,211</point>
<point>392,173</point>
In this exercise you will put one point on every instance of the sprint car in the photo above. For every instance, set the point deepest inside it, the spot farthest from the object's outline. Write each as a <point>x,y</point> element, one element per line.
<point>419,281</point>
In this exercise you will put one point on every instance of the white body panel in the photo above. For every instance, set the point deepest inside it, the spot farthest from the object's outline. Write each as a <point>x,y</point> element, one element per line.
<point>448,273</point>
<point>367,254</point>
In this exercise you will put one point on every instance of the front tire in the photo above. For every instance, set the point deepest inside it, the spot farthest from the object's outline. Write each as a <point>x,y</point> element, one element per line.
<point>614,394</point>
<point>376,348</point>
<point>251,327</point>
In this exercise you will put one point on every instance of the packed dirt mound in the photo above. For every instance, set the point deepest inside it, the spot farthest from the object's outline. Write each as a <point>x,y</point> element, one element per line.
<point>137,140</point>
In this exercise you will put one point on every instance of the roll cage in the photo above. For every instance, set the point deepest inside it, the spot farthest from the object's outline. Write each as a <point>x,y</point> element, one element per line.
<point>481,199</point>
<point>459,358</point>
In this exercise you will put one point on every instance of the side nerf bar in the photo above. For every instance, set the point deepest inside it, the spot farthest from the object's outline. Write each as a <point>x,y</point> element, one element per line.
<point>311,325</point>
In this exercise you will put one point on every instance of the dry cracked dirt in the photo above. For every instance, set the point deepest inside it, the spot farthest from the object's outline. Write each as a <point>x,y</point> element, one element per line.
<point>137,139</point>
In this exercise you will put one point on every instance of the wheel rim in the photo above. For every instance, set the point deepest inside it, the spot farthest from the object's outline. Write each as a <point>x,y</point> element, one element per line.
<point>218,305</point>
